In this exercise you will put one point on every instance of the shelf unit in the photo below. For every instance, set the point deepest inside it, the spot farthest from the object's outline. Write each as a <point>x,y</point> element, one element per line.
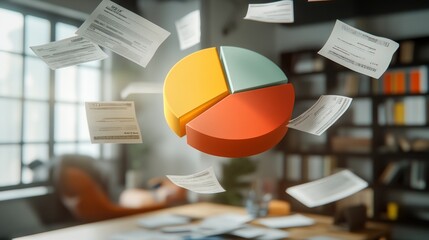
<point>383,137</point>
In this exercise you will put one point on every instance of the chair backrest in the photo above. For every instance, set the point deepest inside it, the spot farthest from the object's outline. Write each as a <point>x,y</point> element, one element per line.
<point>79,185</point>
<point>87,164</point>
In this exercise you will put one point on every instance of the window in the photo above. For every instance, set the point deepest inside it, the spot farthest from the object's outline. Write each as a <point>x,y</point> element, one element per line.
<point>42,110</point>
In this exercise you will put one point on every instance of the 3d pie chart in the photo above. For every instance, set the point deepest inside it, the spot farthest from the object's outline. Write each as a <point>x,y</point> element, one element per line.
<point>229,102</point>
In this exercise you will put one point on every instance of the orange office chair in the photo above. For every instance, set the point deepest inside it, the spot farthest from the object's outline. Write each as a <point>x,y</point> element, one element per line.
<point>78,184</point>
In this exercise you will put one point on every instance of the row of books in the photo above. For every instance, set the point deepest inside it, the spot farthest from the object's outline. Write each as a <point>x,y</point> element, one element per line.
<point>412,173</point>
<point>405,111</point>
<point>308,168</point>
<point>410,80</point>
<point>351,144</point>
<point>352,84</point>
<point>401,142</point>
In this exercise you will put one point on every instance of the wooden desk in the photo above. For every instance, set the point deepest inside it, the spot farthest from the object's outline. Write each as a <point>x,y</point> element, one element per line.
<point>104,229</point>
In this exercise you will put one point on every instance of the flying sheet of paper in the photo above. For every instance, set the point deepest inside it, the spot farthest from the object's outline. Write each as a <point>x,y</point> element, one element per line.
<point>112,122</point>
<point>68,52</point>
<point>358,50</point>
<point>162,220</point>
<point>319,117</point>
<point>123,32</point>
<point>296,220</point>
<point>141,88</point>
<point>201,182</point>
<point>189,30</point>
<point>327,189</point>
<point>275,12</point>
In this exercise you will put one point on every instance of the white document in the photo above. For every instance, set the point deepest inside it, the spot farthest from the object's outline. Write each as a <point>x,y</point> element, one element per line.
<point>319,117</point>
<point>252,232</point>
<point>68,52</point>
<point>296,220</point>
<point>162,220</point>
<point>123,32</point>
<point>142,88</point>
<point>225,220</point>
<point>273,234</point>
<point>275,12</point>
<point>112,122</point>
<point>201,182</point>
<point>220,224</point>
<point>327,189</point>
<point>186,228</point>
<point>358,50</point>
<point>145,235</point>
<point>189,30</point>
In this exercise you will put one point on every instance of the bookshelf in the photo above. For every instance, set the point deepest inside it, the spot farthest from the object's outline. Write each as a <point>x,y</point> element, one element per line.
<point>383,137</point>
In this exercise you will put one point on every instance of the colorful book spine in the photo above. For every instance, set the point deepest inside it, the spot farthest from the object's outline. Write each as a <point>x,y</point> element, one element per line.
<point>399,113</point>
<point>387,83</point>
<point>413,80</point>
<point>399,85</point>
<point>418,80</point>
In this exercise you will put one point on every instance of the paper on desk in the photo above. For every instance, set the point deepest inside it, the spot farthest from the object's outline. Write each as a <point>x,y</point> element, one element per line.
<point>275,12</point>
<point>179,229</point>
<point>145,235</point>
<point>124,32</point>
<point>220,224</point>
<point>201,182</point>
<point>112,122</point>
<point>296,220</point>
<point>319,117</point>
<point>162,220</point>
<point>359,51</point>
<point>189,30</point>
<point>327,189</point>
<point>252,232</point>
<point>225,220</point>
<point>68,52</point>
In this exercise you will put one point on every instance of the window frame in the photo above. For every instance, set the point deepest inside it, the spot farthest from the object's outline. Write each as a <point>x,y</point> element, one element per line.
<point>51,101</point>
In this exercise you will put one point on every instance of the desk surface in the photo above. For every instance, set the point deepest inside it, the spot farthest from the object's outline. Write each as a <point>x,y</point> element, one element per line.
<point>102,230</point>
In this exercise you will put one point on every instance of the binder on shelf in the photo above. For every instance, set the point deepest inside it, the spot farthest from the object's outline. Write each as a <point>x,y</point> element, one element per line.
<point>399,113</point>
<point>399,82</point>
<point>410,110</point>
<point>389,106</point>
<point>415,110</point>
<point>315,167</point>
<point>382,120</point>
<point>406,52</point>
<point>412,80</point>
<point>418,80</point>
<point>293,167</point>
<point>418,175</point>
<point>387,83</point>
<point>376,86</point>
<point>351,84</point>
